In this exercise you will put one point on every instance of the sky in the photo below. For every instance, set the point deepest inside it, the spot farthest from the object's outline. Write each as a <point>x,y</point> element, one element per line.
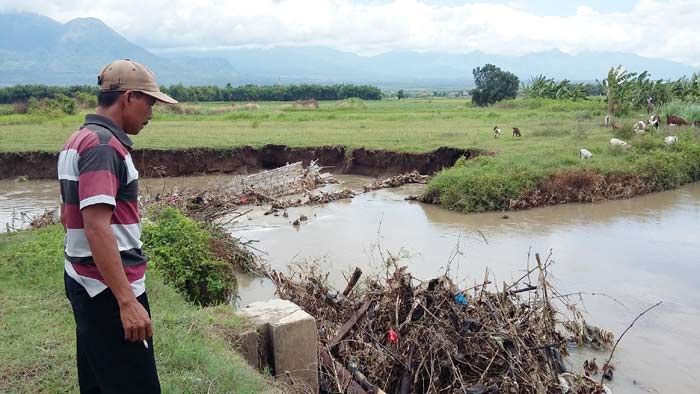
<point>666,29</point>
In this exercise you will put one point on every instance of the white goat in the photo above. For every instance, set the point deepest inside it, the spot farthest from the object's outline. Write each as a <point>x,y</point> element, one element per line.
<point>618,143</point>
<point>670,140</point>
<point>640,127</point>
<point>496,132</point>
<point>585,154</point>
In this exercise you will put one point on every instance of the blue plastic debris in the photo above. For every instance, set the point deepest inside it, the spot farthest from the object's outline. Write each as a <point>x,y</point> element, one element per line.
<point>461,299</point>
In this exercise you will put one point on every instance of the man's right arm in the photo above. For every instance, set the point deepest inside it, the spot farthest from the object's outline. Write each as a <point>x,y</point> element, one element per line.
<point>103,245</point>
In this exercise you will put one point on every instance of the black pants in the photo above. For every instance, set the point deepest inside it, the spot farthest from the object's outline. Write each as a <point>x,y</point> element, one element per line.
<point>108,363</point>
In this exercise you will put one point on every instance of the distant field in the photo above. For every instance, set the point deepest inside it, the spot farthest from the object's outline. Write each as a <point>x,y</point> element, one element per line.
<point>553,132</point>
<point>406,125</point>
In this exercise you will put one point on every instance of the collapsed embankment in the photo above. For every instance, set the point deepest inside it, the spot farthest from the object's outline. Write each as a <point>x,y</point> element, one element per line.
<point>243,160</point>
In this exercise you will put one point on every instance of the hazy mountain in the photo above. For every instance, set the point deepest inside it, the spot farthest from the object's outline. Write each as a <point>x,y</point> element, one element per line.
<point>313,64</point>
<point>37,49</point>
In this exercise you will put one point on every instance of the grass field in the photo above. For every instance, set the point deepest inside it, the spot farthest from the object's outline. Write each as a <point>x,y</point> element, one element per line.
<point>38,337</point>
<point>406,125</point>
<point>553,132</point>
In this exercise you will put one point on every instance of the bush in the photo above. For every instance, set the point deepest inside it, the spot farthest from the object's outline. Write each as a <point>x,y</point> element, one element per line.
<point>86,100</point>
<point>21,107</point>
<point>665,170</point>
<point>480,185</point>
<point>351,103</point>
<point>56,107</point>
<point>181,249</point>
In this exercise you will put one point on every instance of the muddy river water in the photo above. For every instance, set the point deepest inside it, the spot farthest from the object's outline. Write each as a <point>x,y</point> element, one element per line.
<point>637,251</point>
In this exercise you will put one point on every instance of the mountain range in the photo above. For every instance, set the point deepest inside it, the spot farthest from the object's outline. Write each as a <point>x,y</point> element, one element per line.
<point>38,49</point>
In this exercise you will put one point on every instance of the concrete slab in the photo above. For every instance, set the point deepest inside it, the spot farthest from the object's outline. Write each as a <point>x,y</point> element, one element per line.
<point>287,341</point>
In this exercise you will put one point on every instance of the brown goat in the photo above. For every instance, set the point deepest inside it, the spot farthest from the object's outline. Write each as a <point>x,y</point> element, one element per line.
<point>516,132</point>
<point>676,120</point>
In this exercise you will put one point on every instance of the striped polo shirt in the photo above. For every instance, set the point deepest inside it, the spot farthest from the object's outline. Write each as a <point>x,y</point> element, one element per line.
<point>95,167</point>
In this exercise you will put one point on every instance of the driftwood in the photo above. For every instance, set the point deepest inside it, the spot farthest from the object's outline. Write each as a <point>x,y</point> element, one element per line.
<point>353,281</point>
<point>345,329</point>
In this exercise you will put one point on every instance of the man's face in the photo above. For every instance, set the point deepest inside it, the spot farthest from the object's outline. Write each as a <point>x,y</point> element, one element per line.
<point>137,111</point>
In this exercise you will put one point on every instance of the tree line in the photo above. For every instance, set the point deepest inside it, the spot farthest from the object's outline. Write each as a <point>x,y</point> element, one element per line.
<point>23,93</point>
<point>622,90</point>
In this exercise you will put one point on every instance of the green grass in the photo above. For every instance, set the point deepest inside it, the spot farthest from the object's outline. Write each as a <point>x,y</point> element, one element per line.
<point>407,125</point>
<point>37,328</point>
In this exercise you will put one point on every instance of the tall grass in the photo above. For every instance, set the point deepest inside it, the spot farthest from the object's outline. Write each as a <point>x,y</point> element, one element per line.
<point>688,110</point>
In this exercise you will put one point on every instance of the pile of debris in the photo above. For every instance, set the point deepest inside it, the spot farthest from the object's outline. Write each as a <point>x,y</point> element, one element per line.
<point>404,335</point>
<point>282,181</point>
<point>396,181</point>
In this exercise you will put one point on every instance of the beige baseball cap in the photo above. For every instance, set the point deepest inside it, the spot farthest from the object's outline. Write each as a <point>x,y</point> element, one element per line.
<point>123,75</point>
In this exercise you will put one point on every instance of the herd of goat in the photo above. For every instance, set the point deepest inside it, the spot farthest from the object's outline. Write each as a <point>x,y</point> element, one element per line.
<point>639,127</point>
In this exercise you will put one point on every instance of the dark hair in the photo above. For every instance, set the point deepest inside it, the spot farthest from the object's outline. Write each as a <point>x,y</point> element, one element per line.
<point>107,99</point>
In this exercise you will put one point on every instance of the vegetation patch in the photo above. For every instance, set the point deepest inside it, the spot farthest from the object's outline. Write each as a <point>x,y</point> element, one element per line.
<point>182,250</point>
<point>543,178</point>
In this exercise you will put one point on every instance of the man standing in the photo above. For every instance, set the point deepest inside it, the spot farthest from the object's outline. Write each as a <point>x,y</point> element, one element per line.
<point>104,264</point>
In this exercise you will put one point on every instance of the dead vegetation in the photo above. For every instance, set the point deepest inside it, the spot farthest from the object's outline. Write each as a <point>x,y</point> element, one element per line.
<point>404,335</point>
<point>396,181</point>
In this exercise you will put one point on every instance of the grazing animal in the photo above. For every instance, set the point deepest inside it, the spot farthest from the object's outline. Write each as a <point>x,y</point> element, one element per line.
<point>640,127</point>
<point>496,132</point>
<point>516,132</point>
<point>618,143</point>
<point>585,154</point>
<point>654,121</point>
<point>607,120</point>
<point>670,140</point>
<point>616,126</point>
<point>675,120</point>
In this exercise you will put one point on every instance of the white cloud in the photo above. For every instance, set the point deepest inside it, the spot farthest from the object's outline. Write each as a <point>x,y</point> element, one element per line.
<point>653,28</point>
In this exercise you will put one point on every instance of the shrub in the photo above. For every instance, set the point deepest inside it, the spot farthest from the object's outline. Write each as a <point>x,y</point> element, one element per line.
<point>665,170</point>
<point>86,100</point>
<point>351,103</point>
<point>181,249</point>
<point>55,107</point>
<point>21,107</point>
<point>480,185</point>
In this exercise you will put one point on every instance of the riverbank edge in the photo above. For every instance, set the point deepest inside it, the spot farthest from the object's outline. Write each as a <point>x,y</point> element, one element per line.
<point>194,347</point>
<point>484,184</point>
<point>462,185</point>
<point>247,159</point>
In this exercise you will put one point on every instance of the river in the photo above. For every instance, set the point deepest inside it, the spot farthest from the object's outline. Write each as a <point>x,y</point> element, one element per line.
<point>638,251</point>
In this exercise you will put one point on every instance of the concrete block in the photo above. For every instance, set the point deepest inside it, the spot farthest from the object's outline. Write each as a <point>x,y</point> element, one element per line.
<point>287,340</point>
<point>249,347</point>
<point>295,347</point>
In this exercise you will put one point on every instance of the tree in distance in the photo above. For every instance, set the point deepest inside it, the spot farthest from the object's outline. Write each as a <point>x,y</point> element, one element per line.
<point>493,85</point>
